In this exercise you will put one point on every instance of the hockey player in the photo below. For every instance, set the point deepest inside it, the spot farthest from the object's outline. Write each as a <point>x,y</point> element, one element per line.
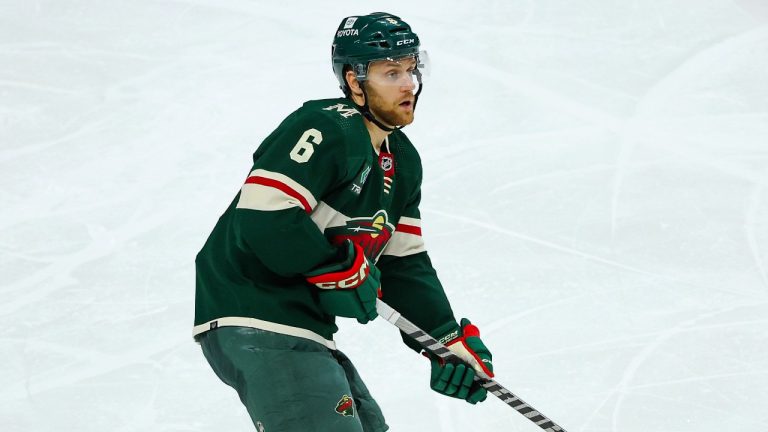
<point>327,221</point>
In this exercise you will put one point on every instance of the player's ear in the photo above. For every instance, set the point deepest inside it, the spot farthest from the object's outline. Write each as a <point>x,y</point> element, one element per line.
<point>353,84</point>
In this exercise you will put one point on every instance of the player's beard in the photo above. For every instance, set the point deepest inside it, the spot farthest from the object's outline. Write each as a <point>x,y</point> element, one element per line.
<point>390,113</point>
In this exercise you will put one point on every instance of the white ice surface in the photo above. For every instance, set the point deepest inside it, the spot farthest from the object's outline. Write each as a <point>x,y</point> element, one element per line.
<point>594,198</point>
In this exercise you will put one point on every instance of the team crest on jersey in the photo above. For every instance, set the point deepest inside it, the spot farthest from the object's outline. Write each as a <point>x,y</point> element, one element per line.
<point>346,406</point>
<point>371,233</point>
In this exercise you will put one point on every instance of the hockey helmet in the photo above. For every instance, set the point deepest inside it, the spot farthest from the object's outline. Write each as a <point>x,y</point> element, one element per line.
<point>360,40</point>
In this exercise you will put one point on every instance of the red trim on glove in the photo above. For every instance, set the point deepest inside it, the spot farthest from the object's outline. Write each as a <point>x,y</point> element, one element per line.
<point>471,330</point>
<point>479,360</point>
<point>349,278</point>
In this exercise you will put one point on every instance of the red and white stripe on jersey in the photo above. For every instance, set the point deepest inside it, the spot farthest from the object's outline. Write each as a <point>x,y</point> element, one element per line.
<point>269,191</point>
<point>407,238</point>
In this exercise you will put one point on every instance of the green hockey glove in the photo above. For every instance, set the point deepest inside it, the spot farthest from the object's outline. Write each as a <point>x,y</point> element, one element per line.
<point>349,287</point>
<point>457,380</point>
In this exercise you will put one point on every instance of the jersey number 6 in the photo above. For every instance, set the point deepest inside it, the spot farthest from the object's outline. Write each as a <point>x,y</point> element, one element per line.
<point>303,149</point>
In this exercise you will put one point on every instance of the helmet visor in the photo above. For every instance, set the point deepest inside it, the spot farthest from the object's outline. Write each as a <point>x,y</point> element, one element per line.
<point>404,71</point>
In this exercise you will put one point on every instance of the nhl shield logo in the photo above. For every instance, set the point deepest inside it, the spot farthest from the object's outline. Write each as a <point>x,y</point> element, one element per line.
<point>386,163</point>
<point>346,407</point>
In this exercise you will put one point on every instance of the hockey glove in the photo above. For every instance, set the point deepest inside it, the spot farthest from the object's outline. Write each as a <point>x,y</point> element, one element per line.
<point>457,380</point>
<point>350,286</point>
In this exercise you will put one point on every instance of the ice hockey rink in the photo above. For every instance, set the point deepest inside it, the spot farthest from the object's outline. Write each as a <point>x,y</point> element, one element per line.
<point>595,199</point>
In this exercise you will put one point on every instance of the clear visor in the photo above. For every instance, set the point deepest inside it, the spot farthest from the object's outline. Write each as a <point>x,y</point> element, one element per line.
<point>408,71</point>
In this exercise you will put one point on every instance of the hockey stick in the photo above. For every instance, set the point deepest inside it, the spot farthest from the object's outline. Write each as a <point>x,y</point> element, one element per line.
<point>430,344</point>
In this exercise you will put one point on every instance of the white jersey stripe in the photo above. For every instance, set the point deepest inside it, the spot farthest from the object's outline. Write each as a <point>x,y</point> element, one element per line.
<point>403,244</point>
<point>263,325</point>
<point>326,216</point>
<point>409,221</point>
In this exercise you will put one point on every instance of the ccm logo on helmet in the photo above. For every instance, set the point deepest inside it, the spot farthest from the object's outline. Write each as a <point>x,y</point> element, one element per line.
<point>348,32</point>
<point>406,42</point>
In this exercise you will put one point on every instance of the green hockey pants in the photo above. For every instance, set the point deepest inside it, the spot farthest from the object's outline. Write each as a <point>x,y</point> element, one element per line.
<point>291,384</point>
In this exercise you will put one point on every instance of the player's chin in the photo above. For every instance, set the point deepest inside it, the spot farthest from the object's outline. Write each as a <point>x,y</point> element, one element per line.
<point>405,118</point>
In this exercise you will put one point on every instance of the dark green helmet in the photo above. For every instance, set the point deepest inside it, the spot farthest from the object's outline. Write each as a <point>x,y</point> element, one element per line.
<point>360,40</point>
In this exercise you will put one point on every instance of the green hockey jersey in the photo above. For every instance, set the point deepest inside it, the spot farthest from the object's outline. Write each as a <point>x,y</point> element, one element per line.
<point>316,181</point>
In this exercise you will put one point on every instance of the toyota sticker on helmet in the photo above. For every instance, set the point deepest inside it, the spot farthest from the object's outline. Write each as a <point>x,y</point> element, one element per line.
<point>348,32</point>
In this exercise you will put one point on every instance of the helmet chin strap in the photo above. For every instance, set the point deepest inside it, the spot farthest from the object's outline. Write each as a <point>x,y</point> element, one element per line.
<point>366,110</point>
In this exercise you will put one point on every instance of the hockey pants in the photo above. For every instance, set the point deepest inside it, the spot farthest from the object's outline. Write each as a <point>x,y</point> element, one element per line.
<point>291,384</point>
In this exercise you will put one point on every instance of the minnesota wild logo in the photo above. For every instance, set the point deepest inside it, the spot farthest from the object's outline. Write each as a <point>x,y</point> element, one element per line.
<point>372,233</point>
<point>346,406</point>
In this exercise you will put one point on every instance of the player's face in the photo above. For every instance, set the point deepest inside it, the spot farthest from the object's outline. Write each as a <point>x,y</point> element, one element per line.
<point>390,90</point>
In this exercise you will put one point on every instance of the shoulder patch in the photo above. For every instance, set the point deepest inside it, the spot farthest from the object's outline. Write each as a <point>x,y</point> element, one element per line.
<point>343,110</point>
<point>360,178</point>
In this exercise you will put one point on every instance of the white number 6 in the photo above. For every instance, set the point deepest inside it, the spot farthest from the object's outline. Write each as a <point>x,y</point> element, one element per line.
<point>303,149</point>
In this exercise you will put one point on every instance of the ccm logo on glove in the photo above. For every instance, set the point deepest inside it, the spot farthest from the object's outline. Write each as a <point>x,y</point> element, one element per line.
<point>352,278</point>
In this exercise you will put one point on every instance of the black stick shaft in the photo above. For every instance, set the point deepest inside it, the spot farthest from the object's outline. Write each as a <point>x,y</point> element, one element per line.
<point>432,345</point>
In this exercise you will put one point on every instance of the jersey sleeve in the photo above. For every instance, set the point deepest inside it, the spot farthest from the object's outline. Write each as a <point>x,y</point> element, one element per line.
<point>409,281</point>
<point>304,159</point>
